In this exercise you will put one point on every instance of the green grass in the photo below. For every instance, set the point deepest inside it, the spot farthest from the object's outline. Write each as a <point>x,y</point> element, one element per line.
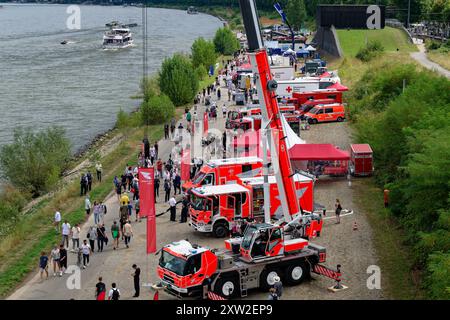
<point>20,250</point>
<point>395,260</point>
<point>391,38</point>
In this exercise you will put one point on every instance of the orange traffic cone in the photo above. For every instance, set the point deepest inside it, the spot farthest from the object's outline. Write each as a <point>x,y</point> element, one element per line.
<point>355,226</point>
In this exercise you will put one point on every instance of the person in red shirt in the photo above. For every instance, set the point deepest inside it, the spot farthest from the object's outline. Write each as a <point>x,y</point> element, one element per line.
<point>159,166</point>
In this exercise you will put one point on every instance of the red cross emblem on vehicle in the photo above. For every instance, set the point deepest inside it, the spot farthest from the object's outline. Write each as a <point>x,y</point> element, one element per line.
<point>289,89</point>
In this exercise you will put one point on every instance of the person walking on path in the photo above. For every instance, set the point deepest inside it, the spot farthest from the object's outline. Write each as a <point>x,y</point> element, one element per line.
<point>166,131</point>
<point>100,290</point>
<point>123,216</point>
<point>99,170</point>
<point>273,294</point>
<point>43,265</point>
<point>136,279</point>
<point>115,232</point>
<point>219,94</point>
<point>128,233</point>
<point>167,188</point>
<point>89,181</point>
<point>184,210</point>
<point>87,205</point>
<point>137,208</point>
<point>65,233</point>
<point>156,191</point>
<point>92,236</point>
<point>62,259</point>
<point>177,183</point>
<point>173,208</point>
<point>57,221</point>
<point>83,185</point>
<point>338,209</point>
<point>97,213</point>
<point>86,249</point>
<point>114,293</point>
<point>172,127</point>
<point>55,255</point>
<point>278,286</point>
<point>101,237</point>
<point>386,198</point>
<point>75,233</point>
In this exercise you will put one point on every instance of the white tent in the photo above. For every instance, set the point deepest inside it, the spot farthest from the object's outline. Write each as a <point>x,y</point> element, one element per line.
<point>310,48</point>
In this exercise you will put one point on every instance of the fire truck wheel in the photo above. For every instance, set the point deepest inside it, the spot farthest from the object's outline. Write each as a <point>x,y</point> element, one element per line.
<point>297,272</point>
<point>226,287</point>
<point>339,119</point>
<point>220,230</point>
<point>267,278</point>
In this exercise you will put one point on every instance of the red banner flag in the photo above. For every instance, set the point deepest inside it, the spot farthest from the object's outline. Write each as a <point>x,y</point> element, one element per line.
<point>186,165</point>
<point>147,204</point>
<point>205,123</point>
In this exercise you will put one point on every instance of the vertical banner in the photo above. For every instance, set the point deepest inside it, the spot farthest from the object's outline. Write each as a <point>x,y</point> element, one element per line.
<point>147,204</point>
<point>186,165</point>
<point>205,124</point>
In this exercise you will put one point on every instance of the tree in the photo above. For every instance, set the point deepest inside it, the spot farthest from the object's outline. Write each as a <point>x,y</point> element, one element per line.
<point>157,110</point>
<point>226,42</point>
<point>178,80</point>
<point>296,13</point>
<point>150,87</point>
<point>33,162</point>
<point>203,53</point>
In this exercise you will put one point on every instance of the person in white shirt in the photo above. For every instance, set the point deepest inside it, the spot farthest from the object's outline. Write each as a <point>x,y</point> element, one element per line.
<point>86,250</point>
<point>114,293</point>
<point>173,208</point>
<point>99,169</point>
<point>87,205</point>
<point>57,221</point>
<point>75,236</point>
<point>65,233</point>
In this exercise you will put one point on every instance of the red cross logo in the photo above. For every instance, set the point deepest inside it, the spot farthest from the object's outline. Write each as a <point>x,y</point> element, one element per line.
<point>289,89</point>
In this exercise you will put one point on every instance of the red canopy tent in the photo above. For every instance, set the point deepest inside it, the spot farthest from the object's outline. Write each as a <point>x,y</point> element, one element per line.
<point>317,152</point>
<point>338,87</point>
<point>325,74</point>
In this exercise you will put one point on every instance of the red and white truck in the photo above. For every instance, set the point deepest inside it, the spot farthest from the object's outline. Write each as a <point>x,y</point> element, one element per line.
<point>215,208</point>
<point>222,171</point>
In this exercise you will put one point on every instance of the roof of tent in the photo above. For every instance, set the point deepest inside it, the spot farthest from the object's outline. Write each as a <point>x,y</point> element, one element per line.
<point>310,48</point>
<point>339,87</point>
<point>315,152</point>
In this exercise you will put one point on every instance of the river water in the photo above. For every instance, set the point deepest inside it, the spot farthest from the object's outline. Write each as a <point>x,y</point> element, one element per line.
<point>80,86</point>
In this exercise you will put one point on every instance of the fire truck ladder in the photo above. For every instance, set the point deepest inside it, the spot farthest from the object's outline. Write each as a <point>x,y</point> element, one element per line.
<point>243,281</point>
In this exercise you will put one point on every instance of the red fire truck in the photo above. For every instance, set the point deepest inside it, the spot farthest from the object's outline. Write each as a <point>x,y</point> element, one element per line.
<point>222,171</point>
<point>214,208</point>
<point>303,97</point>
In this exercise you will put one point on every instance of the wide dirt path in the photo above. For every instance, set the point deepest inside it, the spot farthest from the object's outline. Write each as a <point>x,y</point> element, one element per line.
<point>352,249</point>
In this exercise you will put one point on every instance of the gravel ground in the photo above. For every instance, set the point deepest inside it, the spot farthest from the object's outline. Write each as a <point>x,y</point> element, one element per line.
<point>352,249</point>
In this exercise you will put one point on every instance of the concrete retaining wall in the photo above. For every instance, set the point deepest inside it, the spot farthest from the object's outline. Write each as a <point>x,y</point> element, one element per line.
<point>327,41</point>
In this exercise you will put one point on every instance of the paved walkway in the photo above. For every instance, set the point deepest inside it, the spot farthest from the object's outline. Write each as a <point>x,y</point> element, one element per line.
<point>422,58</point>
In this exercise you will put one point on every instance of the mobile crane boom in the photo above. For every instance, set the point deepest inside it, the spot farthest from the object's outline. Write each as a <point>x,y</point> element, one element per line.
<point>266,87</point>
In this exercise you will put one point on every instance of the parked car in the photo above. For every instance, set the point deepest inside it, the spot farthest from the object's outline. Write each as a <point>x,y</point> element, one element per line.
<point>326,113</point>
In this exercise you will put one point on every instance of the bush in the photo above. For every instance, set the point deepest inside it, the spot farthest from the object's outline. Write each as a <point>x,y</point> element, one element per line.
<point>150,87</point>
<point>370,51</point>
<point>127,120</point>
<point>409,132</point>
<point>178,80</point>
<point>203,53</point>
<point>226,42</point>
<point>33,162</point>
<point>438,276</point>
<point>433,45</point>
<point>201,72</point>
<point>157,110</point>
